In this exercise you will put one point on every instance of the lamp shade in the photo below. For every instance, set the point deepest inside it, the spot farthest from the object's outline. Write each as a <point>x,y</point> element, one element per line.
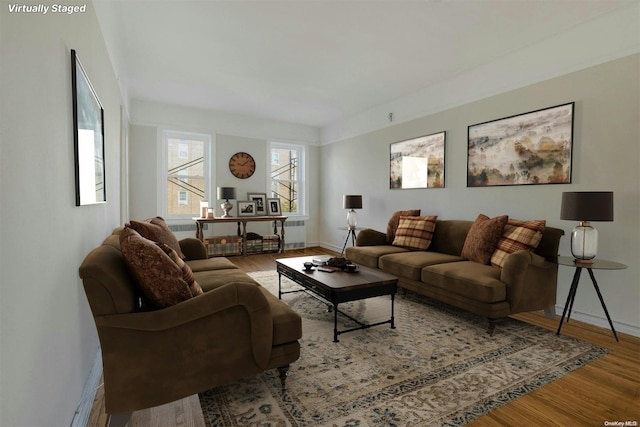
<point>351,202</point>
<point>226,193</point>
<point>587,206</point>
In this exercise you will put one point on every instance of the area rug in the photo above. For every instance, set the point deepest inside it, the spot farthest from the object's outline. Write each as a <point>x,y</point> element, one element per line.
<point>439,367</point>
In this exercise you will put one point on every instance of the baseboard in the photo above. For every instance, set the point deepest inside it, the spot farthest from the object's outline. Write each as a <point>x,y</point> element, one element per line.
<point>81,417</point>
<point>600,322</point>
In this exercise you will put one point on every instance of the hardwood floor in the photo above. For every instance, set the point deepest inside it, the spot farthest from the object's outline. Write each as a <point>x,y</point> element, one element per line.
<point>605,390</point>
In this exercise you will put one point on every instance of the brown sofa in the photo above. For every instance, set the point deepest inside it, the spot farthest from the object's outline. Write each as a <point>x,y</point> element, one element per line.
<point>235,329</point>
<point>527,281</point>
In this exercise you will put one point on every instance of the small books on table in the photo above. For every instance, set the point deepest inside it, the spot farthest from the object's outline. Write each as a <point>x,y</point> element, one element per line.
<point>321,260</point>
<point>328,269</point>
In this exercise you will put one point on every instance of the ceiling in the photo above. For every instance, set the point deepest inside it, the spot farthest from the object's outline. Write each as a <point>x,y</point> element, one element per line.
<point>313,62</point>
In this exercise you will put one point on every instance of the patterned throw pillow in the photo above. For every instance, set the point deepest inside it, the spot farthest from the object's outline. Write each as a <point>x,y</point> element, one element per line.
<point>392,225</point>
<point>159,279</point>
<point>157,230</point>
<point>187,274</point>
<point>415,232</point>
<point>483,237</point>
<point>518,235</point>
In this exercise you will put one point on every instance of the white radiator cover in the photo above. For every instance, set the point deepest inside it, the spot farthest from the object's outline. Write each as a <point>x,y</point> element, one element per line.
<point>295,234</point>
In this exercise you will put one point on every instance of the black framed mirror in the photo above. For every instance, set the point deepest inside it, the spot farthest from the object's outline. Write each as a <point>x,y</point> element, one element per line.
<point>88,138</point>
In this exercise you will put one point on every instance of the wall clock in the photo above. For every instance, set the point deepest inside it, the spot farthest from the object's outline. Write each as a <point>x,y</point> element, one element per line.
<point>242,165</point>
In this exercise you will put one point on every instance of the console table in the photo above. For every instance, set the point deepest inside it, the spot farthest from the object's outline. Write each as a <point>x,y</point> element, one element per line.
<point>598,264</point>
<point>243,232</point>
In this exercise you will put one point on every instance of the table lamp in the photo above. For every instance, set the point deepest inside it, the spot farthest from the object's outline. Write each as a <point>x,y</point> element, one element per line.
<point>226,193</point>
<point>351,202</point>
<point>585,206</point>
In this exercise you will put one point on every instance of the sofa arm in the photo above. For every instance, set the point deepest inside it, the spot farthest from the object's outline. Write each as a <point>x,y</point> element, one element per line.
<point>202,313</point>
<point>370,237</point>
<point>193,248</point>
<point>531,281</point>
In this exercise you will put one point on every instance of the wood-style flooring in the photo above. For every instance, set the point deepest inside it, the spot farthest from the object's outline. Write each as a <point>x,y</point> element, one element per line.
<point>604,391</point>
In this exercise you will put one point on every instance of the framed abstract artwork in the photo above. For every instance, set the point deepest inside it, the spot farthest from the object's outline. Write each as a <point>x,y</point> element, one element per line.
<point>418,162</point>
<point>88,137</point>
<point>527,149</point>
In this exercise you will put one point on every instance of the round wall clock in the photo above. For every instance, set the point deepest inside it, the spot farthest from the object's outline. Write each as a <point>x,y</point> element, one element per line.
<point>242,165</point>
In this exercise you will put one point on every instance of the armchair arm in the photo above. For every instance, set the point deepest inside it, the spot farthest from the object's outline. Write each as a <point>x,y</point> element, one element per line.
<point>193,248</point>
<point>205,309</point>
<point>371,237</point>
<point>531,281</point>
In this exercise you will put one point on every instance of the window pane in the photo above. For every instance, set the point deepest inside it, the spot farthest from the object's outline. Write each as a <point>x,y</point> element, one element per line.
<point>185,176</point>
<point>185,157</point>
<point>284,163</point>
<point>287,192</point>
<point>183,198</point>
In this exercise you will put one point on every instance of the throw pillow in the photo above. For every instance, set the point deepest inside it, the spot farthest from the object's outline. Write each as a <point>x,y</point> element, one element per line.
<point>156,229</point>
<point>518,235</point>
<point>392,225</point>
<point>159,279</point>
<point>483,237</point>
<point>415,232</point>
<point>187,273</point>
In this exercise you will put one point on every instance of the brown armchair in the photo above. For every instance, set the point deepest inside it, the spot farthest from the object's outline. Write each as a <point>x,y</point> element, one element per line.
<point>236,329</point>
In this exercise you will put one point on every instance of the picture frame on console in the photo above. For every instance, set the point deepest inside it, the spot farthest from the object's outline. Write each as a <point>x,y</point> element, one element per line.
<point>525,149</point>
<point>261,202</point>
<point>418,162</point>
<point>246,208</point>
<point>274,207</point>
<point>88,138</point>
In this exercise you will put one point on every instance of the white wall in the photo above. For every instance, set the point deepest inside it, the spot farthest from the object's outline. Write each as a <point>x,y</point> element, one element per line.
<point>48,338</point>
<point>606,156</point>
<point>231,133</point>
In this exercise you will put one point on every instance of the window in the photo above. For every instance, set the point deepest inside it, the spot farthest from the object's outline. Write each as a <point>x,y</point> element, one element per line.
<point>186,169</point>
<point>287,176</point>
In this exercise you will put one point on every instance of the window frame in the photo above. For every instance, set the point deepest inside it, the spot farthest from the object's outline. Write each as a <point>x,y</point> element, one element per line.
<point>302,178</point>
<point>163,173</point>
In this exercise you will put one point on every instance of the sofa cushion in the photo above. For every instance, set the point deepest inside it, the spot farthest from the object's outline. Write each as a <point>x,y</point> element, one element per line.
<point>216,263</point>
<point>518,235</point>
<point>483,237</point>
<point>467,278</point>
<point>156,229</point>
<point>392,225</point>
<point>213,279</point>
<point>159,279</point>
<point>369,255</point>
<point>415,232</point>
<point>187,274</point>
<point>409,265</point>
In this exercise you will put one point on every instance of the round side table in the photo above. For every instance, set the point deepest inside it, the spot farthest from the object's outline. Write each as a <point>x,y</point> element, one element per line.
<point>597,264</point>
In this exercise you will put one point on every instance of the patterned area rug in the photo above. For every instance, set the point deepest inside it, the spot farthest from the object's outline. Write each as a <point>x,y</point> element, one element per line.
<point>438,367</point>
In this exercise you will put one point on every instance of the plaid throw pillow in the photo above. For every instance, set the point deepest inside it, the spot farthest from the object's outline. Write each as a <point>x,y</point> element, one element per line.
<point>392,226</point>
<point>187,273</point>
<point>518,235</point>
<point>415,232</point>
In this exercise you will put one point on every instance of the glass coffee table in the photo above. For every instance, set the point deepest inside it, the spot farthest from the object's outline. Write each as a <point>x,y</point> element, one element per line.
<point>339,287</point>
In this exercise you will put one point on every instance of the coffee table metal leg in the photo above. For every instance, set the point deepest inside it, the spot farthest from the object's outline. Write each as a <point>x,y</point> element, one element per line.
<point>335,323</point>
<point>279,285</point>
<point>393,324</point>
